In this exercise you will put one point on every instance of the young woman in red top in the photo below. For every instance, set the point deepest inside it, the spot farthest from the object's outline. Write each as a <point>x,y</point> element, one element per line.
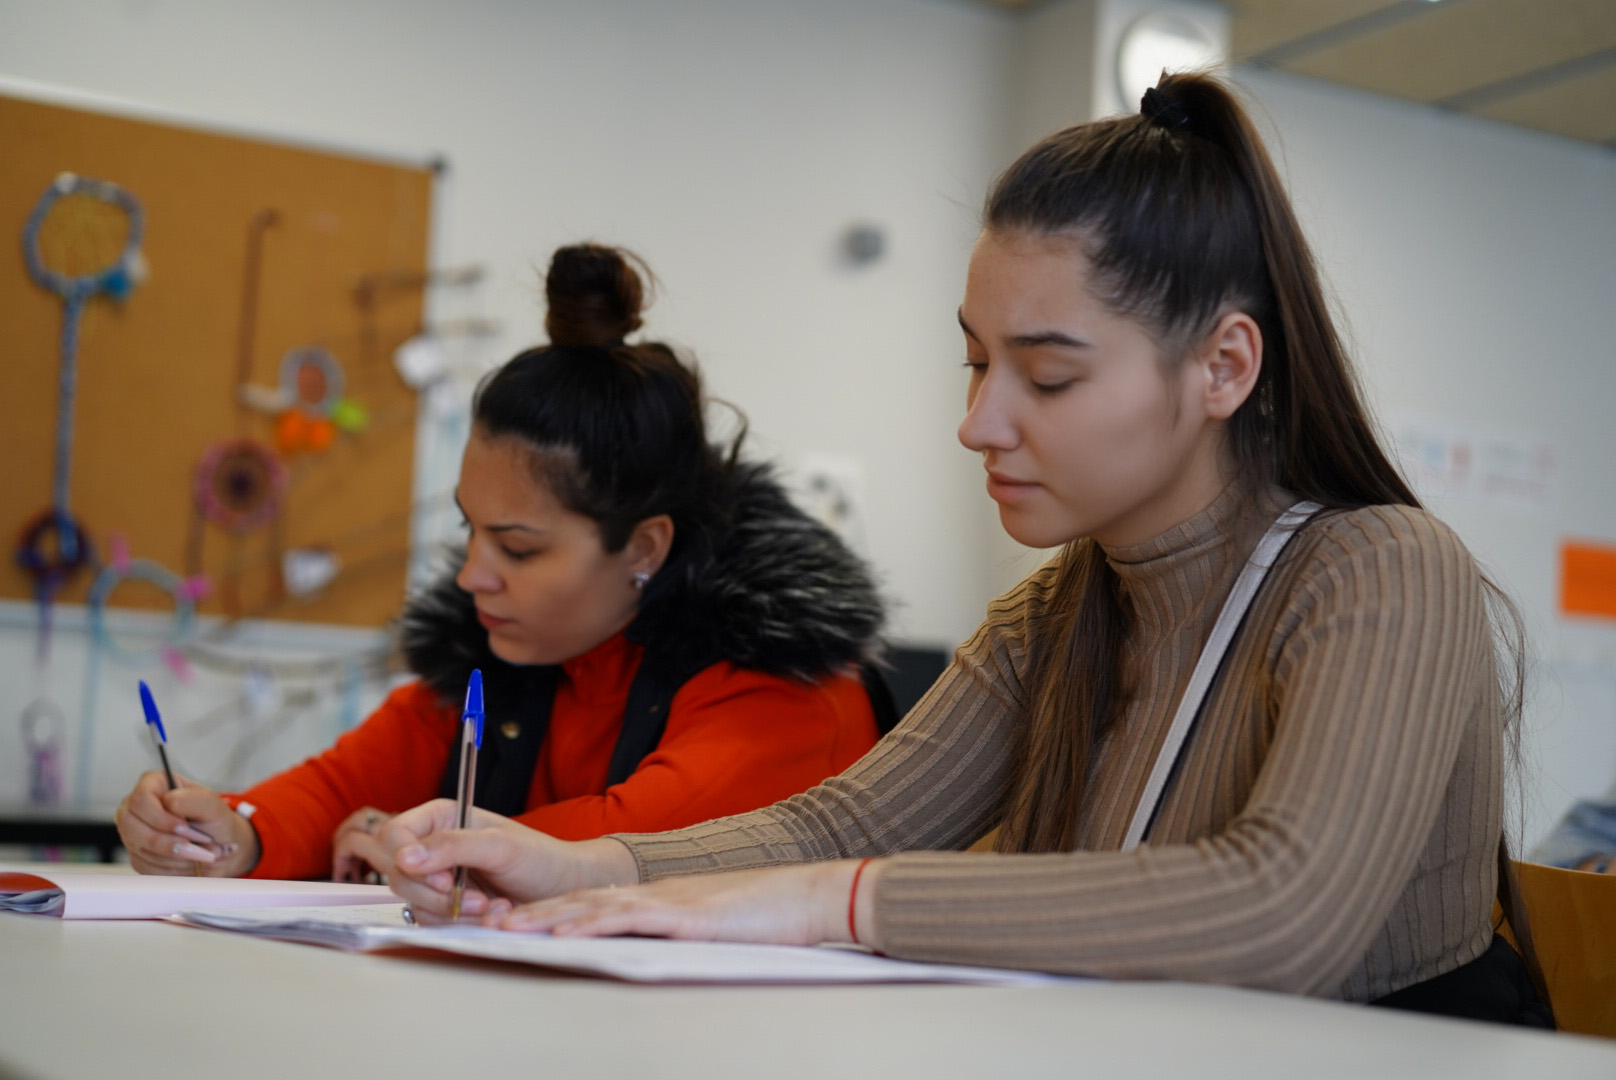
<point>663,637</point>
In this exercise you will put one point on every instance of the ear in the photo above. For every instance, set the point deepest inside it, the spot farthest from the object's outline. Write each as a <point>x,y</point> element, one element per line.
<point>648,544</point>
<point>1231,356</point>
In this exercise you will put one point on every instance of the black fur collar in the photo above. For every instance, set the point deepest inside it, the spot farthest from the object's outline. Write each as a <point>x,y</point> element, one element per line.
<point>781,595</point>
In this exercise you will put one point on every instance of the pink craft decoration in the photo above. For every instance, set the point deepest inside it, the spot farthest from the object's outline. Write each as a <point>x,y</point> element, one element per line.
<point>118,551</point>
<point>177,663</point>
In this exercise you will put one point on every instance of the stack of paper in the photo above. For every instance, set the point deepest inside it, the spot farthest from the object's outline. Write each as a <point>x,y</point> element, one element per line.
<point>635,959</point>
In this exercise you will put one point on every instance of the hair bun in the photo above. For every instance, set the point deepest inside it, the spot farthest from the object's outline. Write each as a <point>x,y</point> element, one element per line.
<point>594,294</point>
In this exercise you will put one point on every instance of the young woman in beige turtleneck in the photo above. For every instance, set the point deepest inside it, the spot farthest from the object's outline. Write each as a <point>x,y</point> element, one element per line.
<point>1154,377</point>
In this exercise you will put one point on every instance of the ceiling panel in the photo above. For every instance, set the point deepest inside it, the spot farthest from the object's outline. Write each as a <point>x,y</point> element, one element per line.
<point>1464,44</point>
<point>1578,107</point>
<point>1260,25</point>
<point>1545,64</point>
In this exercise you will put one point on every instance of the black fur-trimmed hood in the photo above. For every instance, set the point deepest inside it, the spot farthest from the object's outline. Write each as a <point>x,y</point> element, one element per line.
<point>781,594</point>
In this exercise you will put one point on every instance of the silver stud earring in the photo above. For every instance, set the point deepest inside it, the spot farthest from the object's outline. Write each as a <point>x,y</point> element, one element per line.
<point>641,577</point>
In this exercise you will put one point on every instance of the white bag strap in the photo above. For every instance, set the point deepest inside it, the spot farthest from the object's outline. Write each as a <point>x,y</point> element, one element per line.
<point>1233,614</point>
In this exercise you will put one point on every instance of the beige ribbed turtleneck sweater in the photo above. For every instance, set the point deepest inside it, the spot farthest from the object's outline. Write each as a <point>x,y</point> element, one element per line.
<point>1333,825</point>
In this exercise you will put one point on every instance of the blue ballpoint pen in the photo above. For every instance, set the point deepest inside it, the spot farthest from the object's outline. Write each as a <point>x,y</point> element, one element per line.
<point>471,740</point>
<point>159,738</point>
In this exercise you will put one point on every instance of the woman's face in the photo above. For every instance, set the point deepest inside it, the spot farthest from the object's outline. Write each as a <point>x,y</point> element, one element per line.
<point>1080,430</point>
<point>545,587</point>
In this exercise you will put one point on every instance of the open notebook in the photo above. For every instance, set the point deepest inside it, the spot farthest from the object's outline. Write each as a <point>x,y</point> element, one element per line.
<point>633,959</point>
<point>79,894</point>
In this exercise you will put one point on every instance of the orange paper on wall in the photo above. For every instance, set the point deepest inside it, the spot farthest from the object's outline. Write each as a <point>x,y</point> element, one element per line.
<point>1588,579</point>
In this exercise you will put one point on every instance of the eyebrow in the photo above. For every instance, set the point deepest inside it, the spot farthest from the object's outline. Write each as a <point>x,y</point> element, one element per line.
<point>512,527</point>
<point>1035,340</point>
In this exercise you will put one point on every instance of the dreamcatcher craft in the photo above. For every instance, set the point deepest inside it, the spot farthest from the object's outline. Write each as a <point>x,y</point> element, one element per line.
<point>54,547</point>
<point>239,484</point>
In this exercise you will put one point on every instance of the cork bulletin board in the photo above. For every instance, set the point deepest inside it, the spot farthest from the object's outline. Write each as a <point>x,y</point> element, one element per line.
<point>253,250</point>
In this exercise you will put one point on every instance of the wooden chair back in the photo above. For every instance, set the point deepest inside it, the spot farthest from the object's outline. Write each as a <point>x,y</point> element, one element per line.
<point>1573,917</point>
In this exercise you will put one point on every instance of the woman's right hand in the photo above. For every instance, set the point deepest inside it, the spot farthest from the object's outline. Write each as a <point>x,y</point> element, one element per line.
<point>173,832</point>
<point>507,862</point>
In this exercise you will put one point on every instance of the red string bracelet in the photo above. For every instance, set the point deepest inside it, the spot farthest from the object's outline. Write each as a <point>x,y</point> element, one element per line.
<point>852,901</point>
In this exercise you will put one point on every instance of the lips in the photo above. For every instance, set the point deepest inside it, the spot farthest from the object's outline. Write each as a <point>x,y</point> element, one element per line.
<point>492,622</point>
<point>1002,488</point>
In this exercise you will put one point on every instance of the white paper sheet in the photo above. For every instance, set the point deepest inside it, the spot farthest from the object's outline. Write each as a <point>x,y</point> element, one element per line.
<point>122,895</point>
<point>633,959</point>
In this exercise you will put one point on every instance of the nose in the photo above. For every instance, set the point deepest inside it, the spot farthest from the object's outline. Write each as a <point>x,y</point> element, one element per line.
<point>989,423</point>
<point>476,575</point>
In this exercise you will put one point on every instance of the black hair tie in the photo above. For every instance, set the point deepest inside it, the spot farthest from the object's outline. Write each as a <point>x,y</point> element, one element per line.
<point>1163,110</point>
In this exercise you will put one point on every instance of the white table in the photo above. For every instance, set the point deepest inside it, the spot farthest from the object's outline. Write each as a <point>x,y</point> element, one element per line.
<point>93,1000</point>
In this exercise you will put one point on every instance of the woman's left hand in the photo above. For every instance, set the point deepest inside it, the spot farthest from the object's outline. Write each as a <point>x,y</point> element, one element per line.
<point>356,855</point>
<point>788,905</point>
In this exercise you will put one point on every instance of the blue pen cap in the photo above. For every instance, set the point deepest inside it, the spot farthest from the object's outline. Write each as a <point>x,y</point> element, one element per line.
<point>474,704</point>
<point>156,721</point>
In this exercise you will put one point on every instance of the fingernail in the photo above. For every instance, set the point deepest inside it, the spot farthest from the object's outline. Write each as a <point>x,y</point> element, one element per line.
<point>194,853</point>
<point>191,832</point>
<point>414,855</point>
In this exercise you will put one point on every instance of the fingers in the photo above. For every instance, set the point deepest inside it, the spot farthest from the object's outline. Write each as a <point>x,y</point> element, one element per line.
<point>601,913</point>
<point>174,832</point>
<point>201,807</point>
<point>491,849</point>
<point>158,840</point>
<point>498,908</point>
<point>432,905</point>
<point>423,820</point>
<point>163,853</point>
<point>145,805</point>
<point>505,857</point>
<point>367,819</point>
<point>358,855</point>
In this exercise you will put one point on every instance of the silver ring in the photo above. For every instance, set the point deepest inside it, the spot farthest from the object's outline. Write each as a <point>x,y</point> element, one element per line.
<point>409,915</point>
<point>371,818</point>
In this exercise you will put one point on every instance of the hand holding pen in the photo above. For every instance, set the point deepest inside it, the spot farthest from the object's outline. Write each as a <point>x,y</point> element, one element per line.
<point>471,740</point>
<point>170,826</point>
<point>159,738</point>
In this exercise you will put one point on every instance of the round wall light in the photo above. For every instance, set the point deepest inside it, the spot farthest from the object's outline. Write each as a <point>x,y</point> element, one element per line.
<point>1159,41</point>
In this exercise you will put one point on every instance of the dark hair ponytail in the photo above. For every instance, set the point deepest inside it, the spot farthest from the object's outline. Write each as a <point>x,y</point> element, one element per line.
<point>617,430</point>
<point>1182,217</point>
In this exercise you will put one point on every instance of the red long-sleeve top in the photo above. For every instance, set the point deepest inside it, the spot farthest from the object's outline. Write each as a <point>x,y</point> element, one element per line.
<point>735,740</point>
